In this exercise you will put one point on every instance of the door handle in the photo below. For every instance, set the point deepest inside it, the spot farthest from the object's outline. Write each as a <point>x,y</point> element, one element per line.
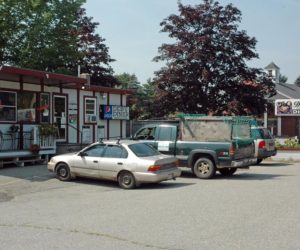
<point>95,161</point>
<point>120,163</point>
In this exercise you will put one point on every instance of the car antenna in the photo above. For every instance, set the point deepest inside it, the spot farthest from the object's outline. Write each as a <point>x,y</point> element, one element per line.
<point>118,140</point>
<point>101,140</point>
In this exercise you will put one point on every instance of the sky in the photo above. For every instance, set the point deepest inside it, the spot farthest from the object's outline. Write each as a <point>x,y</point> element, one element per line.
<point>131,29</point>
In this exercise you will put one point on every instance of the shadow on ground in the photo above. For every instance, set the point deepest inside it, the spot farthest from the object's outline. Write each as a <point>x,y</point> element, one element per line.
<point>38,173</point>
<point>113,184</point>
<point>239,175</point>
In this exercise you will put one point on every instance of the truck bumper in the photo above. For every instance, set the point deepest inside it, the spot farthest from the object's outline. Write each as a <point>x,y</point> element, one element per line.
<point>263,153</point>
<point>243,162</point>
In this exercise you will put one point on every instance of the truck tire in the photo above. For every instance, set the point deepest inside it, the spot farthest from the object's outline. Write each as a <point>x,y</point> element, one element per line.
<point>227,171</point>
<point>259,161</point>
<point>204,168</point>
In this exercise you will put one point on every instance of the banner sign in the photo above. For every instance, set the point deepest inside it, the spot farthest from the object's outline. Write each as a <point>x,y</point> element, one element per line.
<point>114,112</point>
<point>287,107</point>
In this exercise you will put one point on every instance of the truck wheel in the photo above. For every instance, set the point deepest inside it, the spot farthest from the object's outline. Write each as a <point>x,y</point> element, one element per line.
<point>227,171</point>
<point>259,161</point>
<point>204,168</point>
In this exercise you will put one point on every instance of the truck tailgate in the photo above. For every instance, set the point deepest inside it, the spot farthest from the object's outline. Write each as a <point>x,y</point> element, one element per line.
<point>244,148</point>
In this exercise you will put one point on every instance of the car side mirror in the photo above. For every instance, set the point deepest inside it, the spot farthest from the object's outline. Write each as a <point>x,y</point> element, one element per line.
<point>82,154</point>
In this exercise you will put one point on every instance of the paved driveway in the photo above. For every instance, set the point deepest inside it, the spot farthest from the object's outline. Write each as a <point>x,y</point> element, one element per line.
<point>254,209</point>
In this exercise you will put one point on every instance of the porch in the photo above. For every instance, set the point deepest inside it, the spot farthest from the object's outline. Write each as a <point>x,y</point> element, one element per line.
<point>19,147</point>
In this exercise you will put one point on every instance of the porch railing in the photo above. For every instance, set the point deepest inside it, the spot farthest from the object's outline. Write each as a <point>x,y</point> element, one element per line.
<point>11,141</point>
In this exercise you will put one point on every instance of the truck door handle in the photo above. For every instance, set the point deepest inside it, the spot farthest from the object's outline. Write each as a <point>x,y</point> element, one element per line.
<point>120,163</point>
<point>95,161</point>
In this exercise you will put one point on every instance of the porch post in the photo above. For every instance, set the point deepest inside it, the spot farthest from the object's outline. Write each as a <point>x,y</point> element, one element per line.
<point>266,117</point>
<point>279,126</point>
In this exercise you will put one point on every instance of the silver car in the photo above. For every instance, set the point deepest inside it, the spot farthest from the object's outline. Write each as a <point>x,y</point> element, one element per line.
<point>128,162</point>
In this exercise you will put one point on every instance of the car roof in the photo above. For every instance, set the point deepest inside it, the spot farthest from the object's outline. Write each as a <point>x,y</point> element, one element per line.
<point>120,142</point>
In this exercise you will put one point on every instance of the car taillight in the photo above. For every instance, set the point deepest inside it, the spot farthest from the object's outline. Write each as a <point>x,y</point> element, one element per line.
<point>177,163</point>
<point>231,150</point>
<point>154,168</point>
<point>262,145</point>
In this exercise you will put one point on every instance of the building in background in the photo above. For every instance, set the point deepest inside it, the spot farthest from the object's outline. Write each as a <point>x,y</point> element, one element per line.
<point>284,117</point>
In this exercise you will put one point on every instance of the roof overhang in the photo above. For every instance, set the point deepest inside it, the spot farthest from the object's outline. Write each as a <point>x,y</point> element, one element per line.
<point>9,73</point>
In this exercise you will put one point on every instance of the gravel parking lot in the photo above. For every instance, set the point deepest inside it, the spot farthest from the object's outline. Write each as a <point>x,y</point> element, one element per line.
<point>254,209</point>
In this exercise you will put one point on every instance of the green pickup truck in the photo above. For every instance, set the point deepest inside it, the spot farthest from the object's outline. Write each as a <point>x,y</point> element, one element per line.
<point>205,144</point>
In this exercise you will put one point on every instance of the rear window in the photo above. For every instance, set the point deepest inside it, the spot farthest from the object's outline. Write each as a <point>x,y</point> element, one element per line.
<point>261,133</point>
<point>143,150</point>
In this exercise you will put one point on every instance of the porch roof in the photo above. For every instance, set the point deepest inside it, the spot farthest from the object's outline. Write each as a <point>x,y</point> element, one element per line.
<point>38,77</point>
<point>9,73</point>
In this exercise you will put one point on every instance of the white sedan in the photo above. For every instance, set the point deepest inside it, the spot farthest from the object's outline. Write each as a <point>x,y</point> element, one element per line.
<point>128,162</point>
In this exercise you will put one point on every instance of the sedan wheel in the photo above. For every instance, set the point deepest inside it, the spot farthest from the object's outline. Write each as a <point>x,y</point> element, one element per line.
<point>126,180</point>
<point>204,168</point>
<point>63,172</point>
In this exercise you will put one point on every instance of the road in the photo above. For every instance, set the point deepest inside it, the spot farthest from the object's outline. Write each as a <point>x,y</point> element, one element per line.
<point>254,209</point>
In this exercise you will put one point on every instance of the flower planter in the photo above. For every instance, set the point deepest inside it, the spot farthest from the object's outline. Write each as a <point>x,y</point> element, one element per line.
<point>288,149</point>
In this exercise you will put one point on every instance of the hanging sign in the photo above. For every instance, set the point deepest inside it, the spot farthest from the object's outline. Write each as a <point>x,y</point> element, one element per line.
<point>287,107</point>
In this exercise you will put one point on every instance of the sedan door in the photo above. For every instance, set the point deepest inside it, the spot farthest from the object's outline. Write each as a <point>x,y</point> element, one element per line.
<point>86,163</point>
<point>112,161</point>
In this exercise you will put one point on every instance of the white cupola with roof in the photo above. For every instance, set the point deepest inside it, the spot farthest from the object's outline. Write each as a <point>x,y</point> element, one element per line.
<point>273,71</point>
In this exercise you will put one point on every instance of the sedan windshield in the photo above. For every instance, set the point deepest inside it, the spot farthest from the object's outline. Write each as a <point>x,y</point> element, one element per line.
<point>143,150</point>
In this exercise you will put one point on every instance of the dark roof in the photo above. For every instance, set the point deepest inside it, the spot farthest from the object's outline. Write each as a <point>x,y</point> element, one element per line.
<point>8,73</point>
<point>286,91</point>
<point>35,77</point>
<point>272,66</point>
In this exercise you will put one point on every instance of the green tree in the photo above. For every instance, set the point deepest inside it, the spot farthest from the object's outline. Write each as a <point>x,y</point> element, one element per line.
<point>297,81</point>
<point>282,78</point>
<point>39,33</point>
<point>54,36</point>
<point>147,97</point>
<point>128,81</point>
<point>206,67</point>
<point>95,59</point>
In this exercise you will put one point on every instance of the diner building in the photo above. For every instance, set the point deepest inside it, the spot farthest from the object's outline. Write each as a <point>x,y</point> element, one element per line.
<point>43,113</point>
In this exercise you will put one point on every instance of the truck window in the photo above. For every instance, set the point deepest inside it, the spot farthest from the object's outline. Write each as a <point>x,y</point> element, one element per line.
<point>165,134</point>
<point>146,134</point>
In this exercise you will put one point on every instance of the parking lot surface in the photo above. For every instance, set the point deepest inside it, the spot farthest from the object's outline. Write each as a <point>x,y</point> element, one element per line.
<point>254,209</point>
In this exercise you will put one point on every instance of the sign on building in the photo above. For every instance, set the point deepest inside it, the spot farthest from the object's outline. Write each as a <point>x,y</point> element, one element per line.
<point>287,107</point>
<point>114,112</point>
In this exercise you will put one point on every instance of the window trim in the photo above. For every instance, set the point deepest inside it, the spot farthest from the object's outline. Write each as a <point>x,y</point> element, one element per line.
<point>15,106</point>
<point>86,119</point>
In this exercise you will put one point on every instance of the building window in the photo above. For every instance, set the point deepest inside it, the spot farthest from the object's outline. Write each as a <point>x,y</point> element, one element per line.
<point>8,106</point>
<point>44,108</point>
<point>270,73</point>
<point>90,111</point>
<point>26,107</point>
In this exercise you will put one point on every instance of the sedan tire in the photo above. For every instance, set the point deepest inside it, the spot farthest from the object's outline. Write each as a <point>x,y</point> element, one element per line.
<point>126,180</point>
<point>63,172</point>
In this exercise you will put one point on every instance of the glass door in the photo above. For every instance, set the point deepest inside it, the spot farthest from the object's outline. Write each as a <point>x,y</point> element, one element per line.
<point>60,114</point>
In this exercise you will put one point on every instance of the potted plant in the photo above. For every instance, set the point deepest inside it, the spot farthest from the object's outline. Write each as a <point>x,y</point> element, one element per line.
<point>34,148</point>
<point>48,133</point>
<point>47,130</point>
